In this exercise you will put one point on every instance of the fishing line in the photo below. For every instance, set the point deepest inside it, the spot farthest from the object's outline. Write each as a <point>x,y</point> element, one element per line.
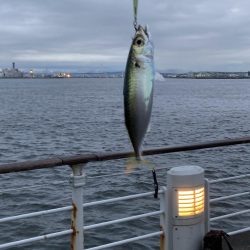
<point>155,184</point>
<point>135,13</point>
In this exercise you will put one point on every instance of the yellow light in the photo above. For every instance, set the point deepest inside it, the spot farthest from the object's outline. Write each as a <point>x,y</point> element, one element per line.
<point>190,202</point>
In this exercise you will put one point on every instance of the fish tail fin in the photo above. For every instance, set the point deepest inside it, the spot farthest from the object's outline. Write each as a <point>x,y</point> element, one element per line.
<point>137,161</point>
<point>138,156</point>
<point>132,164</point>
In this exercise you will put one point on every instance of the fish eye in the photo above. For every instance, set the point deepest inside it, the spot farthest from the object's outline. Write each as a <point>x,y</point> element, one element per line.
<point>139,41</point>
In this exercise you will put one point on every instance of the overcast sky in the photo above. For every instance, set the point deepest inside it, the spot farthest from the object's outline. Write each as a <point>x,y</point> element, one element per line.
<point>96,34</point>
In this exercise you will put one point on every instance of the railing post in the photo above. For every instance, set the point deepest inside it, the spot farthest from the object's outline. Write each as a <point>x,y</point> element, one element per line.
<point>77,181</point>
<point>184,218</point>
<point>163,225</point>
<point>207,206</point>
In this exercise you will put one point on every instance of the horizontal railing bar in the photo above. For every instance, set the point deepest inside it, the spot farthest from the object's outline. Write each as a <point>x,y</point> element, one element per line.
<point>30,165</point>
<point>67,208</point>
<point>121,242</point>
<point>128,197</point>
<point>85,158</point>
<point>38,238</point>
<point>135,217</point>
<point>229,178</point>
<point>228,197</point>
<point>229,215</point>
<point>244,230</point>
<point>29,215</point>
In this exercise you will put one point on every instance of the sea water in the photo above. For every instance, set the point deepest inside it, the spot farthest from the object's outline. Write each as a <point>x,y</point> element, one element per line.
<point>41,118</point>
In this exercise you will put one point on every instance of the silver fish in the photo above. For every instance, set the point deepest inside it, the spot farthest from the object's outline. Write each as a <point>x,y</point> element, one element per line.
<point>138,88</point>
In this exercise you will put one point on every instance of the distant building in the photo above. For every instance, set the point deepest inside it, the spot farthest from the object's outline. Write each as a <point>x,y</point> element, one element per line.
<point>31,73</point>
<point>62,75</point>
<point>203,75</point>
<point>12,73</point>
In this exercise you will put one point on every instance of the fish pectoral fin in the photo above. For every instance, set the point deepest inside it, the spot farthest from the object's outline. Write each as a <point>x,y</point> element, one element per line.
<point>139,62</point>
<point>137,65</point>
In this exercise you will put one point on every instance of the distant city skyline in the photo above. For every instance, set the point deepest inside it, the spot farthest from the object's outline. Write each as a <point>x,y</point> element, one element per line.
<point>14,72</point>
<point>79,70</point>
<point>72,69</point>
<point>96,35</point>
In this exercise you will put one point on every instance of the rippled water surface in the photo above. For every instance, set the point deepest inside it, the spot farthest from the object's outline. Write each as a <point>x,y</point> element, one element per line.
<point>43,118</point>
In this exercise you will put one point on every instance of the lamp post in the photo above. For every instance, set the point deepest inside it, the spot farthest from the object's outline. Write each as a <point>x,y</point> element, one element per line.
<point>184,221</point>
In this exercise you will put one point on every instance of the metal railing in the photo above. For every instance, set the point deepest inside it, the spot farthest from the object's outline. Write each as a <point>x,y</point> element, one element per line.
<point>94,157</point>
<point>223,198</point>
<point>77,163</point>
<point>88,227</point>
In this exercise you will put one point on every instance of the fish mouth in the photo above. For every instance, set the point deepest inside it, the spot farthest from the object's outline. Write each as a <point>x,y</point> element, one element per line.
<point>143,31</point>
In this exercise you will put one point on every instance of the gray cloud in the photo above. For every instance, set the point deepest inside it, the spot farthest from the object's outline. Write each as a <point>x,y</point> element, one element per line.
<point>189,35</point>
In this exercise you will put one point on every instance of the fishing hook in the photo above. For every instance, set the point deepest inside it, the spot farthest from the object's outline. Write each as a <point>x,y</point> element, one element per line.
<point>135,25</point>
